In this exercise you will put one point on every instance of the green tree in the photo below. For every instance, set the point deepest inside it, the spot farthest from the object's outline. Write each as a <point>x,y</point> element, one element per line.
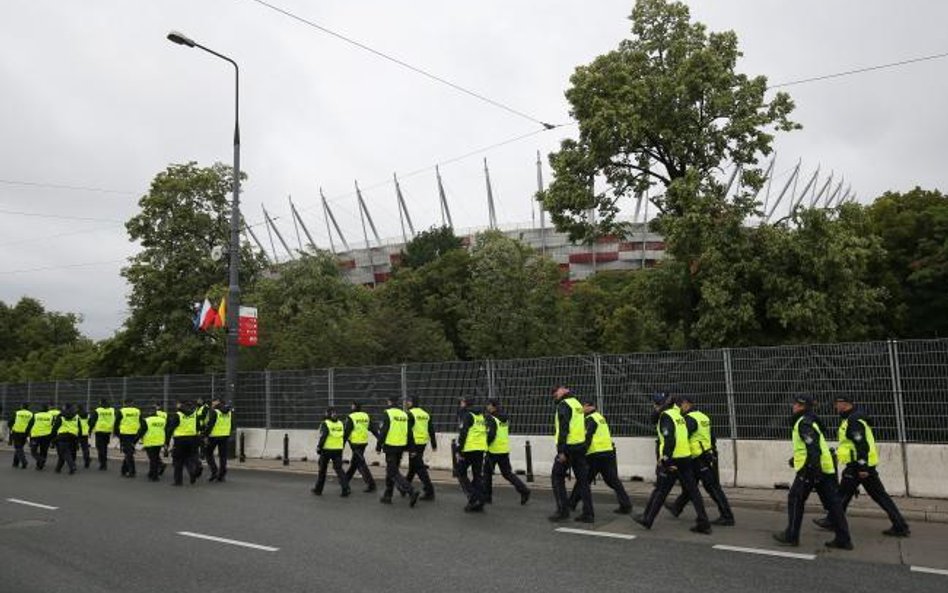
<point>36,344</point>
<point>429,245</point>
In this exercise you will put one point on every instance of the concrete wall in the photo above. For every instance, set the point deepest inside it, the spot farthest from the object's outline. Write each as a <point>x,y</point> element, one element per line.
<point>759,464</point>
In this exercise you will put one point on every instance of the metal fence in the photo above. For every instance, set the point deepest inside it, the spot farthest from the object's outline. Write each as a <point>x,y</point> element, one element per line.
<point>902,384</point>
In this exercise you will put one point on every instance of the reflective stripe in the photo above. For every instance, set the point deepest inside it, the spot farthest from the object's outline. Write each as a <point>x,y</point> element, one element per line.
<point>105,419</point>
<point>800,452</point>
<point>501,442</point>
<point>334,440</point>
<point>397,435</point>
<point>602,438</point>
<point>221,425</point>
<point>360,428</point>
<point>131,421</point>
<point>187,425</point>
<point>846,452</point>
<point>23,418</point>
<point>68,426</point>
<point>476,435</point>
<point>682,447</point>
<point>700,439</point>
<point>577,423</point>
<point>420,430</point>
<point>42,424</point>
<point>155,433</point>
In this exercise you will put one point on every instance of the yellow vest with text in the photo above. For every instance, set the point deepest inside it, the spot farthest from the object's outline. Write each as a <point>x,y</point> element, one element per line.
<point>131,421</point>
<point>360,428</point>
<point>68,426</point>
<point>846,452</point>
<point>397,435</point>
<point>42,424</point>
<point>187,425</point>
<point>602,438</point>
<point>54,412</point>
<point>682,447</point>
<point>84,425</point>
<point>577,423</point>
<point>22,420</point>
<point>155,432</point>
<point>501,443</point>
<point>799,449</point>
<point>700,439</point>
<point>334,440</point>
<point>419,431</point>
<point>221,424</point>
<point>105,419</point>
<point>476,435</point>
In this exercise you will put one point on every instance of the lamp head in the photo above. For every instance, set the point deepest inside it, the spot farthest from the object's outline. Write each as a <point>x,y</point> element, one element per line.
<point>180,39</point>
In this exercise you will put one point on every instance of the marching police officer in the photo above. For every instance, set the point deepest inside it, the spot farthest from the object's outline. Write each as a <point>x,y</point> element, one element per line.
<point>815,471</point>
<point>422,433</point>
<point>103,423</point>
<point>498,453</point>
<point>153,439</point>
<point>601,456</point>
<point>358,425</point>
<point>40,430</point>
<point>83,441</point>
<point>329,449</point>
<point>19,432</point>
<point>570,437</point>
<point>66,431</point>
<point>858,455</point>
<point>183,427</point>
<point>129,421</point>
<point>674,463</point>
<point>394,439</point>
<point>704,457</point>
<point>472,445</point>
<point>218,430</point>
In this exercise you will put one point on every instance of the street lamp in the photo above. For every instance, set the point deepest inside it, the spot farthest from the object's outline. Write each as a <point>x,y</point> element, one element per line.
<point>233,288</point>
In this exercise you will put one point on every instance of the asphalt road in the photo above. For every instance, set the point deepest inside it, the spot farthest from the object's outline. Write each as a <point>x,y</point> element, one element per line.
<point>113,534</point>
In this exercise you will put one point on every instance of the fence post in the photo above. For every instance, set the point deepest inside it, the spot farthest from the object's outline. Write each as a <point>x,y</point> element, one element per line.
<point>896,376</point>
<point>4,400</point>
<point>29,391</point>
<point>166,391</point>
<point>331,386</point>
<point>404,372</point>
<point>266,398</point>
<point>212,385</point>
<point>731,407</point>
<point>56,394</point>
<point>124,389</point>
<point>597,365</point>
<point>88,395</point>
<point>490,379</point>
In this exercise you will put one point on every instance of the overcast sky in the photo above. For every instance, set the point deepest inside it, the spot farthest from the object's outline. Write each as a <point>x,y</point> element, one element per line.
<point>93,95</point>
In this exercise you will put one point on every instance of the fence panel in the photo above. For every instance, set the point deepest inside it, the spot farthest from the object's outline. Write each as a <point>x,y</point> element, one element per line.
<point>439,386</point>
<point>250,405</point>
<point>111,389</point>
<point>298,399</point>
<point>923,368</point>
<point>369,386</point>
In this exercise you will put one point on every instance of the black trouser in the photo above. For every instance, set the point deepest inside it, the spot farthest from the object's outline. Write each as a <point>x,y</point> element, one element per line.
<point>501,460</point>
<point>220,445</point>
<point>358,464</point>
<point>417,467</point>
<point>665,481</point>
<point>604,464</point>
<point>39,449</point>
<point>127,444</point>
<point>393,477</point>
<point>575,460</point>
<point>102,440</point>
<point>473,487</point>
<point>66,451</point>
<point>334,456</point>
<point>184,454</point>
<point>825,487</point>
<point>19,455</point>
<point>708,477</point>
<point>876,491</point>
<point>155,464</point>
<point>83,443</point>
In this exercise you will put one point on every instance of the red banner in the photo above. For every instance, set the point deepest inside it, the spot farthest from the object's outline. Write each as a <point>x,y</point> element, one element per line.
<point>247,326</point>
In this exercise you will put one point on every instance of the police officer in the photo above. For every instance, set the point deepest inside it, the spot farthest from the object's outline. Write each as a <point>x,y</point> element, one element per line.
<point>570,438</point>
<point>183,427</point>
<point>103,423</point>
<point>153,439</point>
<point>83,440</point>
<point>129,422</point>
<point>815,471</point>
<point>674,463</point>
<point>394,438</point>
<point>66,431</point>
<point>472,445</point>
<point>332,441</point>
<point>19,432</point>
<point>704,457</point>
<point>40,430</point>
<point>218,430</point>
<point>498,453</point>
<point>601,456</point>
<point>858,455</point>
<point>422,433</point>
<point>358,425</point>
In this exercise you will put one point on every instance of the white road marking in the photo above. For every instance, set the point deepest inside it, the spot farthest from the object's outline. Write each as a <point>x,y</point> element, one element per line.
<point>32,504</point>
<point>224,540</point>
<point>595,533</point>
<point>765,552</point>
<point>927,570</point>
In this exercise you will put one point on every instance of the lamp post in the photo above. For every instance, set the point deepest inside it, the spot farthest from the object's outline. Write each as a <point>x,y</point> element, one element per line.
<point>233,288</point>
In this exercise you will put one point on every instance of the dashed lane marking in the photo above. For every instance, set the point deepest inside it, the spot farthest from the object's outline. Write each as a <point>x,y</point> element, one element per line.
<point>595,533</point>
<point>224,540</point>
<point>927,570</point>
<point>32,504</point>
<point>765,552</point>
